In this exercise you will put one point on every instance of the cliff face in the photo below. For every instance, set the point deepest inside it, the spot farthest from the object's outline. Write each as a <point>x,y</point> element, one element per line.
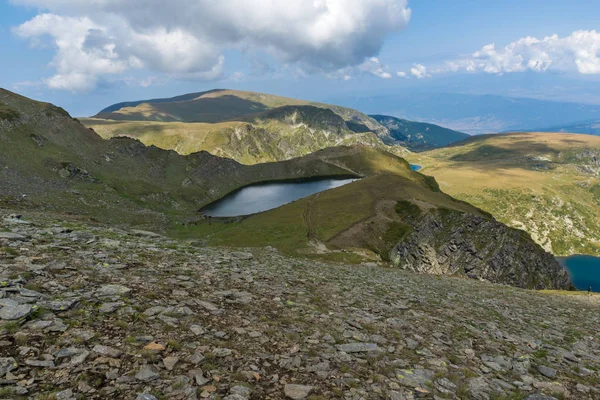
<point>447,242</point>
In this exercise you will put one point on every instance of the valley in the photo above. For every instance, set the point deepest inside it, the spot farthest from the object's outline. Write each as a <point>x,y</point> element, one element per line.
<point>544,183</point>
<point>116,283</point>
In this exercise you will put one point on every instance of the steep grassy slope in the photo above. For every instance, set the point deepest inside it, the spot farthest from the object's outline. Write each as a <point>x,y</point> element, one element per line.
<point>50,160</point>
<point>397,215</point>
<point>419,136</point>
<point>278,134</point>
<point>545,183</point>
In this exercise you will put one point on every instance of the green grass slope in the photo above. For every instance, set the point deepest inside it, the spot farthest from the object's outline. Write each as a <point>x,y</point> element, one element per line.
<point>50,161</point>
<point>545,183</point>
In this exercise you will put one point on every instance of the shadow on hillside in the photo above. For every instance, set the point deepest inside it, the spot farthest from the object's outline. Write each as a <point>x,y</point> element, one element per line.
<point>517,152</point>
<point>212,110</point>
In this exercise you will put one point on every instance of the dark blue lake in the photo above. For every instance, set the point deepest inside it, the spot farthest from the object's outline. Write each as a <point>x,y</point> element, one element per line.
<point>266,196</point>
<point>415,167</point>
<point>584,271</point>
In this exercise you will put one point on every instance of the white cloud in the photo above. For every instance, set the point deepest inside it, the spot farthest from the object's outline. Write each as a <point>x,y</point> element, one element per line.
<point>419,71</point>
<point>374,67</point>
<point>576,53</point>
<point>187,39</point>
<point>401,74</point>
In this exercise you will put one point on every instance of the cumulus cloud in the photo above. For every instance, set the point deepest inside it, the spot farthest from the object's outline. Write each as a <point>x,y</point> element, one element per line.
<point>401,74</point>
<point>576,53</point>
<point>419,71</point>
<point>187,39</point>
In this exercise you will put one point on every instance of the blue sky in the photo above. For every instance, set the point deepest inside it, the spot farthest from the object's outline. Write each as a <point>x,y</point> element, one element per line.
<point>85,57</point>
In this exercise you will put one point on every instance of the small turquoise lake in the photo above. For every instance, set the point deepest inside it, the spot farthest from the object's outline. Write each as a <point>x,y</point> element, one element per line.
<point>415,167</point>
<point>584,271</point>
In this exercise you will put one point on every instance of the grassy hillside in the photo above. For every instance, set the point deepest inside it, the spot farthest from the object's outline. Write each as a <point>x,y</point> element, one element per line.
<point>278,134</point>
<point>419,136</point>
<point>297,126</point>
<point>545,183</point>
<point>50,161</point>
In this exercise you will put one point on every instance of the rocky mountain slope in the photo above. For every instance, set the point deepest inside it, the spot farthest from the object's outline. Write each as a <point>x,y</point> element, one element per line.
<point>69,169</point>
<point>419,136</point>
<point>94,312</point>
<point>545,183</point>
<point>401,218</point>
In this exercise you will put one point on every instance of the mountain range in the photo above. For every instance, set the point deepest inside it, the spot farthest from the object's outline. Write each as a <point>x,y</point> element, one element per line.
<point>254,127</point>
<point>475,113</point>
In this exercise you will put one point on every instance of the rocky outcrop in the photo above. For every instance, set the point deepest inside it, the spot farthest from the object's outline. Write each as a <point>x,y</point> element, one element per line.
<point>447,242</point>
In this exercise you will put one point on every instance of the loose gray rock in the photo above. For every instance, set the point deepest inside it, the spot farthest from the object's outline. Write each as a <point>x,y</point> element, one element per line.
<point>107,351</point>
<point>11,313</point>
<point>547,371</point>
<point>114,290</point>
<point>7,364</point>
<point>146,374</point>
<point>297,392</point>
<point>357,347</point>
<point>106,308</point>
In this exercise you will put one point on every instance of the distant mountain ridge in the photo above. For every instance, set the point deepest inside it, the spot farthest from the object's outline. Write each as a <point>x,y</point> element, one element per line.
<point>254,127</point>
<point>589,127</point>
<point>419,135</point>
<point>474,113</point>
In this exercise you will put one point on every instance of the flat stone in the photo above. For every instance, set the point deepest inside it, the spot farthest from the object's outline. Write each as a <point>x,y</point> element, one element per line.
<point>57,326</point>
<point>11,313</point>
<point>113,290</point>
<point>170,362</point>
<point>197,330</point>
<point>146,374</point>
<point>29,293</point>
<point>357,347</point>
<point>39,325</point>
<point>241,391</point>
<point>152,311</point>
<point>547,371</point>
<point>107,351</point>
<point>64,395</point>
<point>8,302</point>
<point>208,306</point>
<point>297,392</point>
<point>39,363</point>
<point>7,364</point>
<point>68,352</point>
<point>111,307</point>
<point>198,376</point>
<point>60,305</point>
<point>145,396</point>
<point>12,236</point>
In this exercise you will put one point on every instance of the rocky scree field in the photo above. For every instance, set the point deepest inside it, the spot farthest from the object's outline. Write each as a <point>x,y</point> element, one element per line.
<point>91,311</point>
